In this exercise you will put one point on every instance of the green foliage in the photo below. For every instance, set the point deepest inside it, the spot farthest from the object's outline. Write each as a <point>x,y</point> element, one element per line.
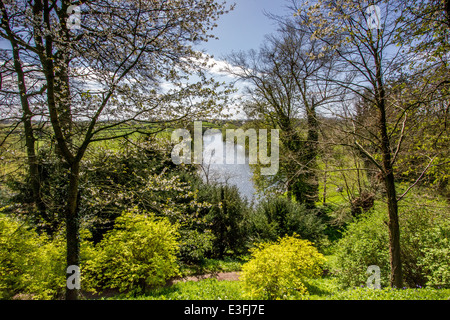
<point>320,288</point>
<point>195,245</point>
<point>53,176</point>
<point>364,243</point>
<point>138,175</point>
<point>391,294</point>
<point>211,266</point>
<point>30,263</point>
<point>113,180</point>
<point>277,216</point>
<point>227,219</point>
<point>207,289</point>
<point>278,269</point>
<point>424,242</point>
<point>140,251</point>
<point>426,251</point>
<point>16,244</point>
<point>435,251</point>
<point>46,277</point>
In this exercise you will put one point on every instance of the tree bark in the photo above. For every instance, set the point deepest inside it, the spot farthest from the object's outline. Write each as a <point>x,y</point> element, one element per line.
<point>312,193</point>
<point>33,163</point>
<point>72,226</point>
<point>389,182</point>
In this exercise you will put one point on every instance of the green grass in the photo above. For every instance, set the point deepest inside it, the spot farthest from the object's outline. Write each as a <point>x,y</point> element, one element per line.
<point>391,294</point>
<point>208,289</point>
<point>326,288</point>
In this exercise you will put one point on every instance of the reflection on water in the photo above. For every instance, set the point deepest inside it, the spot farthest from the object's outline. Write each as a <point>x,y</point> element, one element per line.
<point>216,169</point>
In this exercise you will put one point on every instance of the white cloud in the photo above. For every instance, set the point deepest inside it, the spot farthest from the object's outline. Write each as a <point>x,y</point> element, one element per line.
<point>220,68</point>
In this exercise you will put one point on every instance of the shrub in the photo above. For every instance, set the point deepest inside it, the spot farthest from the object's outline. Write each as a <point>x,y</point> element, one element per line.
<point>364,243</point>
<point>29,263</point>
<point>16,244</point>
<point>424,243</point>
<point>46,276</point>
<point>435,255</point>
<point>140,251</point>
<point>194,245</point>
<point>278,216</point>
<point>278,269</point>
<point>227,220</point>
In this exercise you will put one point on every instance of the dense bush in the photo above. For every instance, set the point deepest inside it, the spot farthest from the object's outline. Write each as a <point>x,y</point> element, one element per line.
<point>228,220</point>
<point>364,243</point>
<point>30,263</point>
<point>140,251</point>
<point>424,247</point>
<point>277,269</point>
<point>277,216</point>
<point>195,245</point>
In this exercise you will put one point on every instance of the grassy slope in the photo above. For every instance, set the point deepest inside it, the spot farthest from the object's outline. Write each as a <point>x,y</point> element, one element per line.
<point>319,289</point>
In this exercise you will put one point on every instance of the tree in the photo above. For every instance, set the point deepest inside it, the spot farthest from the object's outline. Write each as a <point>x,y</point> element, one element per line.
<point>286,85</point>
<point>425,31</point>
<point>363,42</point>
<point>104,72</point>
<point>20,85</point>
<point>425,27</point>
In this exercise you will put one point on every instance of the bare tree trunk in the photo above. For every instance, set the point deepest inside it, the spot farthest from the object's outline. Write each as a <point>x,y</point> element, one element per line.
<point>72,226</point>
<point>312,184</point>
<point>33,164</point>
<point>389,182</point>
<point>325,178</point>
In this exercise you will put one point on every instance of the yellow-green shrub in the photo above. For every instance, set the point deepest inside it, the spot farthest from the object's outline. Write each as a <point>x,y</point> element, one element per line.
<point>277,269</point>
<point>29,263</point>
<point>140,251</point>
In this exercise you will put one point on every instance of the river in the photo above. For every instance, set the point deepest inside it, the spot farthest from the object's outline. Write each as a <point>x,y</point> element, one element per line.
<point>215,168</point>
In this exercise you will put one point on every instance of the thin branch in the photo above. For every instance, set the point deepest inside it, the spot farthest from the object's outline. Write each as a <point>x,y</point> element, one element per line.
<point>368,155</point>
<point>400,140</point>
<point>418,179</point>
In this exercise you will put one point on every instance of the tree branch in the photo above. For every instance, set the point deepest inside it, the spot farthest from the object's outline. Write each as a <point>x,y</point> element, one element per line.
<point>418,179</point>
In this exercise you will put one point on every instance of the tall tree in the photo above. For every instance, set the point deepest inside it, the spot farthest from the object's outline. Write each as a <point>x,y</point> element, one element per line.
<point>361,35</point>
<point>425,32</point>
<point>20,86</point>
<point>101,67</point>
<point>285,87</point>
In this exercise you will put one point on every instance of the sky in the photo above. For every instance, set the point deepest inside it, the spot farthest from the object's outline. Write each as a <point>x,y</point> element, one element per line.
<point>244,28</point>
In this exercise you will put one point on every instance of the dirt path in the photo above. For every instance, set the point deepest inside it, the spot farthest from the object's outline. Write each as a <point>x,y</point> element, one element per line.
<point>229,276</point>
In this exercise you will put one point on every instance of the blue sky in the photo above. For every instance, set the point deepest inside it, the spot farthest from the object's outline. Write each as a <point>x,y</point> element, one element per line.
<point>244,27</point>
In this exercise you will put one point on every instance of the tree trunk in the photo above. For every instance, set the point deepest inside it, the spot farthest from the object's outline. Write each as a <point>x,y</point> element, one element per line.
<point>324,194</point>
<point>62,91</point>
<point>33,164</point>
<point>389,182</point>
<point>35,181</point>
<point>312,185</point>
<point>394,233</point>
<point>72,225</point>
